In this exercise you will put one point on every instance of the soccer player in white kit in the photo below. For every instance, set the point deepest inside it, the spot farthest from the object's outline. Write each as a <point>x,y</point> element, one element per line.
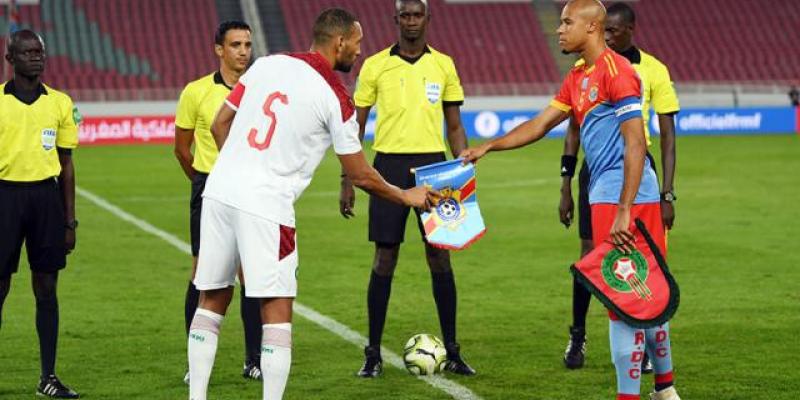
<point>273,131</point>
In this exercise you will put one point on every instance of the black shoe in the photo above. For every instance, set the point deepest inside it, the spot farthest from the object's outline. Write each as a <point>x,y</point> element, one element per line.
<point>455,363</point>
<point>53,388</point>
<point>373,364</point>
<point>576,348</point>
<point>252,370</point>
<point>647,366</point>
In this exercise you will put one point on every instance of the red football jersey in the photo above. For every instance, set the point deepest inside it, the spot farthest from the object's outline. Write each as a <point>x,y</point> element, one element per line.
<point>610,80</point>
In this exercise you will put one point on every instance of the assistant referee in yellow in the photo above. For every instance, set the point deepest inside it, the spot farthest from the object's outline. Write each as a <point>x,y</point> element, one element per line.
<point>197,107</point>
<point>38,130</point>
<point>415,88</point>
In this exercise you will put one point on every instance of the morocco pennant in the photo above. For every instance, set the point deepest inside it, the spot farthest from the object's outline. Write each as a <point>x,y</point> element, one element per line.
<point>456,221</point>
<point>637,287</point>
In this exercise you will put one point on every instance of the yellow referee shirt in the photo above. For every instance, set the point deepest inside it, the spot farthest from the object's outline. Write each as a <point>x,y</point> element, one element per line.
<point>410,95</point>
<point>31,133</point>
<point>197,107</point>
<point>657,89</point>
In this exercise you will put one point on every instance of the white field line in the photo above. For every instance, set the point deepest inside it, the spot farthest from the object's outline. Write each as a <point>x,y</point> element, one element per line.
<point>454,389</point>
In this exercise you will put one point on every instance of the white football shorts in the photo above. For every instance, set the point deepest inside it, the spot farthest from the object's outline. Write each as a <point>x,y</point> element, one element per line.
<point>266,251</point>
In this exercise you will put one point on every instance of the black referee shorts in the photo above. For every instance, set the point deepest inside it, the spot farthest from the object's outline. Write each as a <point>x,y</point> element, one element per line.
<point>387,220</point>
<point>195,209</point>
<point>33,213</point>
<point>584,209</point>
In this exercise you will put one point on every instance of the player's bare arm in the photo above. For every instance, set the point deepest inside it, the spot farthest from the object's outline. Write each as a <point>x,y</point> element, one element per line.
<point>66,182</point>
<point>666,123</point>
<point>635,150</point>
<point>222,124</point>
<point>572,141</point>
<point>183,150</point>
<point>362,175</point>
<point>456,135</point>
<point>347,195</point>
<point>523,135</point>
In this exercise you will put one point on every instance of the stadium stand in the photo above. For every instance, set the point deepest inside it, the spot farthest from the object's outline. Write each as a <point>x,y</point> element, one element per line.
<point>491,57</point>
<point>148,49</point>
<point>135,45</point>
<point>271,14</point>
<point>723,40</point>
<point>97,54</point>
<point>229,10</point>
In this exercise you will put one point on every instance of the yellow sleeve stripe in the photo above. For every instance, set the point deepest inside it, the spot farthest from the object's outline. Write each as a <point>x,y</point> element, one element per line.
<point>612,67</point>
<point>559,105</point>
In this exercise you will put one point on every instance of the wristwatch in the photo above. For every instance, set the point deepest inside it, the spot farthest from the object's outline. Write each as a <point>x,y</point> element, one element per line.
<point>71,225</point>
<point>669,197</point>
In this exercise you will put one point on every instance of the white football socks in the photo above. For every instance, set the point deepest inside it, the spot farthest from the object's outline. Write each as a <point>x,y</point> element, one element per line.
<point>202,349</point>
<point>276,359</point>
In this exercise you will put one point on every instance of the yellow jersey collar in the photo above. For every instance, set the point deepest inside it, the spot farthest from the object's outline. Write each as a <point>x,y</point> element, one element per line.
<point>11,89</point>
<point>633,55</point>
<point>219,81</point>
<point>395,51</point>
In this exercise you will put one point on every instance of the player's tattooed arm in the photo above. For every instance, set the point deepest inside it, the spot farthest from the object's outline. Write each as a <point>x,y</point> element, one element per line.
<point>368,179</point>
<point>347,194</point>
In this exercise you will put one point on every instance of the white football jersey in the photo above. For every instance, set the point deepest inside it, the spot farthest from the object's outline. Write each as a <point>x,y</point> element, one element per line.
<point>290,108</point>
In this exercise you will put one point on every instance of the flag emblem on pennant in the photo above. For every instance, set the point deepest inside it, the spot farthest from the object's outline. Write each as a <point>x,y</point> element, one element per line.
<point>449,210</point>
<point>455,222</point>
<point>627,272</point>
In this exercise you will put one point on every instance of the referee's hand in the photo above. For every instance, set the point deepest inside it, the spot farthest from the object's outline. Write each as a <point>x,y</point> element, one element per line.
<point>69,240</point>
<point>347,199</point>
<point>566,209</point>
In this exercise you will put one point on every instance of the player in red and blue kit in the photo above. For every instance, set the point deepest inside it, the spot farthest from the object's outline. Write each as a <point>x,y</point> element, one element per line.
<point>604,96</point>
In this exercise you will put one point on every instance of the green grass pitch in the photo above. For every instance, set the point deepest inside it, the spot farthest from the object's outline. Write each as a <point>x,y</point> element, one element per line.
<point>733,252</point>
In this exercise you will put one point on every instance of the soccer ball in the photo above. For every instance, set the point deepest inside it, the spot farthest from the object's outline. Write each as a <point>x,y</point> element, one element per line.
<point>424,354</point>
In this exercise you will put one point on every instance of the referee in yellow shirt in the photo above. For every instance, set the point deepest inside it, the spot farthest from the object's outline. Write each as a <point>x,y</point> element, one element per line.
<point>416,89</point>
<point>197,108</point>
<point>659,94</point>
<point>38,130</point>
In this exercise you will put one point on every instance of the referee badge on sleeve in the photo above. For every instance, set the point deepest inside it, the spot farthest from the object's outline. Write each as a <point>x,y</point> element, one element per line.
<point>76,116</point>
<point>48,139</point>
<point>433,91</point>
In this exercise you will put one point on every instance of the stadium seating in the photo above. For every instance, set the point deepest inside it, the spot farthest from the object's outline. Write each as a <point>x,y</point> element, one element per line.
<point>494,45</point>
<point>166,42</point>
<point>124,49</point>
<point>149,49</point>
<point>723,40</point>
